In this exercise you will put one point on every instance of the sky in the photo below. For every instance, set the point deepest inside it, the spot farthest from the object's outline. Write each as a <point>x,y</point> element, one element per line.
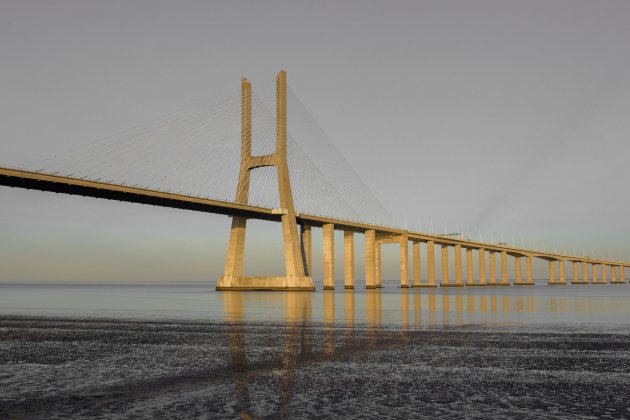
<point>501,119</point>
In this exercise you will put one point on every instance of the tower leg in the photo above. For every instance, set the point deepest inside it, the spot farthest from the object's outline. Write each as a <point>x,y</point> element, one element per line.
<point>295,265</point>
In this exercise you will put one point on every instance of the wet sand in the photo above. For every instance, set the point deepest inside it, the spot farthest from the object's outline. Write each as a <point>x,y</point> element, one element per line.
<point>60,367</point>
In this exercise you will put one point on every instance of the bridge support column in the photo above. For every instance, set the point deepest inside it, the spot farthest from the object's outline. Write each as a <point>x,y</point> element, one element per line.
<point>296,275</point>
<point>528,270</point>
<point>469,267</point>
<point>493,269</point>
<point>504,270</point>
<point>613,274</point>
<point>458,266</point>
<point>518,271</point>
<point>416,264</point>
<point>604,276</point>
<point>370,259</point>
<point>594,274</point>
<point>444,282</point>
<point>348,260</point>
<point>307,248</point>
<point>552,272</point>
<point>576,274</point>
<point>328,254</point>
<point>430,266</point>
<point>622,274</point>
<point>585,272</point>
<point>482,268</point>
<point>404,263</point>
<point>379,265</point>
<point>561,267</point>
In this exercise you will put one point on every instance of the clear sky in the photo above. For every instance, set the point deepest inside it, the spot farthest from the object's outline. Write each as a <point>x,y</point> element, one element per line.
<point>501,117</point>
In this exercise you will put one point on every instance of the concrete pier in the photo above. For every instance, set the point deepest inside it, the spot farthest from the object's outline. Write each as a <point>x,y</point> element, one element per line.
<point>348,260</point>
<point>404,263</point>
<point>430,266</point>
<point>370,259</point>
<point>529,281</point>
<point>416,264</point>
<point>328,255</point>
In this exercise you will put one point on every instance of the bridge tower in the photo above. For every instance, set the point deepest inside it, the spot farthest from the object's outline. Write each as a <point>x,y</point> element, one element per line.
<point>296,276</point>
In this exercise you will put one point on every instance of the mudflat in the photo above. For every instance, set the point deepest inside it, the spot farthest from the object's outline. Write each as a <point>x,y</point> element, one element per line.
<point>59,367</point>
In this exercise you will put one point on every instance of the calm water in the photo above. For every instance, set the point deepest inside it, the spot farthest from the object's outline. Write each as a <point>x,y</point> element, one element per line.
<point>584,306</point>
<point>183,350</point>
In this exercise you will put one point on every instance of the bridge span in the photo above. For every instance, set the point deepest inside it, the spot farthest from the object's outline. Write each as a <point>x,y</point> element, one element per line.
<point>298,247</point>
<point>583,268</point>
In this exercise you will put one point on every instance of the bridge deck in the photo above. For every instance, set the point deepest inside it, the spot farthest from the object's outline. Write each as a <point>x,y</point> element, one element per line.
<point>133,194</point>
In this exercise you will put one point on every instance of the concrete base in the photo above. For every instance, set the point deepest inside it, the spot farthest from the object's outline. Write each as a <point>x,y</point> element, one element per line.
<point>524,283</point>
<point>329,287</point>
<point>348,287</point>
<point>452,285</point>
<point>476,284</point>
<point>373,287</point>
<point>556,283</point>
<point>599,282</point>
<point>265,283</point>
<point>406,287</point>
<point>499,284</point>
<point>580,282</point>
<point>617,282</point>
<point>425,285</point>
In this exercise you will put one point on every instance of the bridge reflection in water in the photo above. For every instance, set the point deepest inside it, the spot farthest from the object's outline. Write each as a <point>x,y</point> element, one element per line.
<point>430,308</point>
<point>332,325</point>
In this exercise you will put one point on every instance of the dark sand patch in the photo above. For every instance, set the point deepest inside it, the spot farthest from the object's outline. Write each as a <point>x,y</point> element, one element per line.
<point>52,367</point>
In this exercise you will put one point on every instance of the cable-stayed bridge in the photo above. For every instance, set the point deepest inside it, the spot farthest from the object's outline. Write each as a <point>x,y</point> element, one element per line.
<point>239,155</point>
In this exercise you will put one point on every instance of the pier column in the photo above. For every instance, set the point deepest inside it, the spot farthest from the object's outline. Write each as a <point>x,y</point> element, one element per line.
<point>613,274</point>
<point>584,272</point>
<point>444,264</point>
<point>404,264</point>
<point>493,268</point>
<point>370,259</point>
<point>528,270</point>
<point>504,268</point>
<point>594,274</point>
<point>575,279</point>
<point>482,266</point>
<point>622,274</point>
<point>518,272</point>
<point>328,253</point>
<point>458,265</point>
<point>348,260</point>
<point>307,247</point>
<point>431,263</point>
<point>416,264</point>
<point>561,272</point>
<point>604,277</point>
<point>552,272</point>
<point>469,266</point>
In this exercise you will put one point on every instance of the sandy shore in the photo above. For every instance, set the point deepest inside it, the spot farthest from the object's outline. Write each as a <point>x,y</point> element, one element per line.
<point>54,367</point>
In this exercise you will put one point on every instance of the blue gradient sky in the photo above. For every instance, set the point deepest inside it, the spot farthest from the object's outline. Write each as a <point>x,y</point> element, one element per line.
<point>506,118</point>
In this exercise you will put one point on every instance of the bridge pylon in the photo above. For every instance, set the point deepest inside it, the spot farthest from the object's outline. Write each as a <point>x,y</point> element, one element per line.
<point>296,277</point>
